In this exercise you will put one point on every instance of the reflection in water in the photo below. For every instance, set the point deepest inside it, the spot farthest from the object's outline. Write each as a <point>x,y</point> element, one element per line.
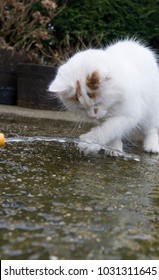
<point>58,204</point>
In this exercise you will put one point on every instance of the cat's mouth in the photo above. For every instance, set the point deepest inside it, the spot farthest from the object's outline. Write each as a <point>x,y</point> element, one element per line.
<point>96,118</point>
<point>103,118</point>
<point>99,120</point>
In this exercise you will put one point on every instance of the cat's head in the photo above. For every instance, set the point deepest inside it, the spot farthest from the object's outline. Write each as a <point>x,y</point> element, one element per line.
<point>82,84</point>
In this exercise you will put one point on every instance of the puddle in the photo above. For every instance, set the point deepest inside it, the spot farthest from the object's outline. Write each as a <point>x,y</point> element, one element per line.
<point>58,204</point>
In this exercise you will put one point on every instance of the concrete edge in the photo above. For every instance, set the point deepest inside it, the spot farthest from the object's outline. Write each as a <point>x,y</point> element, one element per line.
<point>36,113</point>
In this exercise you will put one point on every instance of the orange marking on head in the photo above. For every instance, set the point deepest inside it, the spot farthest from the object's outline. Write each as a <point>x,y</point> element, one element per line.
<point>78,89</point>
<point>91,94</point>
<point>93,80</point>
<point>78,93</point>
<point>74,98</point>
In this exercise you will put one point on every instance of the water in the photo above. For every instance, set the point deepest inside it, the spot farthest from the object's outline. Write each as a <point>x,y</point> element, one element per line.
<point>103,149</point>
<point>58,204</point>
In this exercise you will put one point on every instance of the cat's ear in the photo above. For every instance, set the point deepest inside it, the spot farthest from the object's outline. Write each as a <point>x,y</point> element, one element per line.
<point>57,86</point>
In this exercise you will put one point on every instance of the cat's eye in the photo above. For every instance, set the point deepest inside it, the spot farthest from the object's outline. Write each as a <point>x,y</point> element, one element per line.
<point>74,98</point>
<point>91,94</point>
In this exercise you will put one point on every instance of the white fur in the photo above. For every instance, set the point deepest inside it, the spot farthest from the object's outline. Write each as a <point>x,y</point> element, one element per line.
<point>128,93</point>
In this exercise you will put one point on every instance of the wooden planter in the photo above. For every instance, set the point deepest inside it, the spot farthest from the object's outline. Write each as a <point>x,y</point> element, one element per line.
<point>8,85</point>
<point>33,81</point>
<point>9,60</point>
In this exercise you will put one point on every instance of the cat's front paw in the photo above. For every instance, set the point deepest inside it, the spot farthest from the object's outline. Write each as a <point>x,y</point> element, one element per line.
<point>113,153</point>
<point>89,148</point>
<point>88,144</point>
<point>152,149</point>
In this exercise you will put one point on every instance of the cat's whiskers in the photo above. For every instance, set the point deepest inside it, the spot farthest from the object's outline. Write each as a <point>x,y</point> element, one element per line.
<point>76,128</point>
<point>73,128</point>
<point>60,107</point>
<point>68,104</point>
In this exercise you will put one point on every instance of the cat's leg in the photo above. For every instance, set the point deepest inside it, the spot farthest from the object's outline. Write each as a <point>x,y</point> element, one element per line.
<point>116,144</point>
<point>116,147</point>
<point>151,141</point>
<point>114,128</point>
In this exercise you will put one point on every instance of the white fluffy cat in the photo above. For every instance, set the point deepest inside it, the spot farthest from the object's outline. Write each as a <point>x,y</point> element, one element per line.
<point>118,84</point>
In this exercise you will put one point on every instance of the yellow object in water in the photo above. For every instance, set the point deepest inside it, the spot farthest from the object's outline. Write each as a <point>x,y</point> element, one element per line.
<point>2,139</point>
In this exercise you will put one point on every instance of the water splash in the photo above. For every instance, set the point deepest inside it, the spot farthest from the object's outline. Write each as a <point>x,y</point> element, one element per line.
<point>105,149</point>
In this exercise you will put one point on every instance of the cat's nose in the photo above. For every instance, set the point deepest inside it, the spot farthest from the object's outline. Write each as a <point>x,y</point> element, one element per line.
<point>92,113</point>
<point>95,110</point>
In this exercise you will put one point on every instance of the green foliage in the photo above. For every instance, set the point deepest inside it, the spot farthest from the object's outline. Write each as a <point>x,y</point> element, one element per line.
<point>87,22</point>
